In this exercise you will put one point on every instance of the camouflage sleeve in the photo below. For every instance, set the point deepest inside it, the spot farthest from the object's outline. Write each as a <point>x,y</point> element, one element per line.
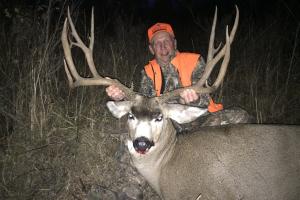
<point>147,87</point>
<point>197,73</point>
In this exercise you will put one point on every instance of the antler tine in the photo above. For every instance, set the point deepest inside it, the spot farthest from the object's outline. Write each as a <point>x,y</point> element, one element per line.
<point>74,78</point>
<point>211,49</point>
<point>88,52</point>
<point>224,65</point>
<point>211,63</point>
<point>224,52</point>
<point>92,37</point>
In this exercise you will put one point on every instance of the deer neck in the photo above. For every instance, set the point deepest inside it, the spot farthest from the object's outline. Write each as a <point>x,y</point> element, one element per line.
<point>151,163</point>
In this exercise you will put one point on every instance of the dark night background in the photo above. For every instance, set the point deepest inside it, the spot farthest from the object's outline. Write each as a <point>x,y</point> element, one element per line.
<point>52,137</point>
<point>180,13</point>
<point>266,46</point>
<point>186,16</point>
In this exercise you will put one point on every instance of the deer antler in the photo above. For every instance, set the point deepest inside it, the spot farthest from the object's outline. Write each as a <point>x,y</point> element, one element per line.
<point>74,78</point>
<point>212,60</point>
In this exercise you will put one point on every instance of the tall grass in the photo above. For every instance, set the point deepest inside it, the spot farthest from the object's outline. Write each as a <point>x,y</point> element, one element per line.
<point>58,143</point>
<point>264,74</point>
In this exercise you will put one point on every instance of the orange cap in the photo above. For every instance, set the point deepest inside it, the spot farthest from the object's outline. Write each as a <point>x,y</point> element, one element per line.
<point>158,27</point>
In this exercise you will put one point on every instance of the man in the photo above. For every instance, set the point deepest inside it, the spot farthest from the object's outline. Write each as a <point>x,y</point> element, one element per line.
<point>169,70</point>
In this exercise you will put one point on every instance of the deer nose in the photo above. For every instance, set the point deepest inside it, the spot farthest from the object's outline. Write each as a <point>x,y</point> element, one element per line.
<point>142,144</point>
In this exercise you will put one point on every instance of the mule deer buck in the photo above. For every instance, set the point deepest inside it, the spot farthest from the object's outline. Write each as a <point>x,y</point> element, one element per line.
<point>224,162</point>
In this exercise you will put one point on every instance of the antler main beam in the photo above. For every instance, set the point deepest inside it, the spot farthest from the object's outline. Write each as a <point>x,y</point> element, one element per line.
<point>212,60</point>
<point>74,78</point>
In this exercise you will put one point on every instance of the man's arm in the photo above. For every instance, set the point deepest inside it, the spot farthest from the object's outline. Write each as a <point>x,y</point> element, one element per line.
<point>147,87</point>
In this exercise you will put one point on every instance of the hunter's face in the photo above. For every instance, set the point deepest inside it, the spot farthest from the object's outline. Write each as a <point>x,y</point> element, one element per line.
<point>163,47</point>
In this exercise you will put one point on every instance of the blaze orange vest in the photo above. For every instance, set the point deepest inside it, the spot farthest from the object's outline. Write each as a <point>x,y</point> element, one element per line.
<point>184,63</point>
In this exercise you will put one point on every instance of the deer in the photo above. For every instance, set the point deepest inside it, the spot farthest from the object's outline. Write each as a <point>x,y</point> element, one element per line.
<point>240,161</point>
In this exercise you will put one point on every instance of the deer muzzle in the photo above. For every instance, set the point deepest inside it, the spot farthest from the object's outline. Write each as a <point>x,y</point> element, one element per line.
<point>142,144</point>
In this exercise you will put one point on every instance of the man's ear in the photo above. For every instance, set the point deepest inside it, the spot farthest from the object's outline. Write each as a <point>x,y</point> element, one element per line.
<point>183,113</point>
<point>119,108</point>
<point>151,49</point>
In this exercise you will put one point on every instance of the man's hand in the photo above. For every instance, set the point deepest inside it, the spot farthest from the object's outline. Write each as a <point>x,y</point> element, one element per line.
<point>188,96</point>
<point>115,93</point>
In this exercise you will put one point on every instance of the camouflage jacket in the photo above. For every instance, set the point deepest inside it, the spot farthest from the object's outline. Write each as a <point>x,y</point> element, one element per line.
<point>171,81</point>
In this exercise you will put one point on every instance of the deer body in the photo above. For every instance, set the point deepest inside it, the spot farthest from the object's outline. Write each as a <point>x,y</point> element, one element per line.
<point>234,162</point>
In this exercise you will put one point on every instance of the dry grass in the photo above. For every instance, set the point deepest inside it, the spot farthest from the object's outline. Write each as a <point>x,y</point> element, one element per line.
<point>62,144</point>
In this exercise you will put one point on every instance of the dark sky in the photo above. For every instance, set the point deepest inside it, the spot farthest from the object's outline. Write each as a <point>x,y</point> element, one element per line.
<point>171,9</point>
<point>179,13</point>
<point>175,10</point>
<point>182,11</point>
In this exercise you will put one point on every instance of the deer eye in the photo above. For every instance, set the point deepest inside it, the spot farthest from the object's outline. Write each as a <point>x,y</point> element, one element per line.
<point>158,118</point>
<point>131,116</point>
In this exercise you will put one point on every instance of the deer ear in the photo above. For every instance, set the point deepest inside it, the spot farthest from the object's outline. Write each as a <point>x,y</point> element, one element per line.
<point>183,113</point>
<point>118,108</point>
